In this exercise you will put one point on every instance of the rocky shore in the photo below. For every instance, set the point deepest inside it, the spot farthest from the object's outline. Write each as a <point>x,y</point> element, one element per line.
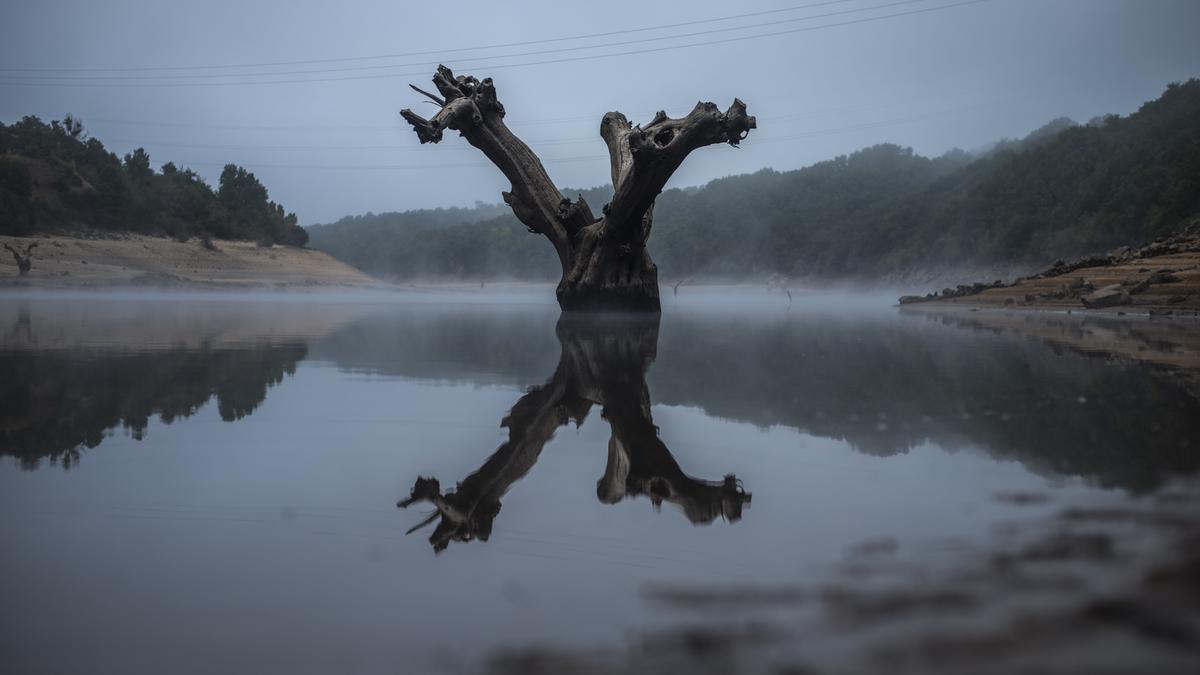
<point>1161,279</point>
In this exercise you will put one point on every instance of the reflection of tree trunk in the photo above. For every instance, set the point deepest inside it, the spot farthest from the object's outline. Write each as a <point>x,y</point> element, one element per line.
<point>604,261</point>
<point>603,362</point>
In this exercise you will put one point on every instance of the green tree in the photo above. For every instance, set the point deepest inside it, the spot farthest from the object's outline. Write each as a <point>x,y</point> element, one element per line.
<point>137,165</point>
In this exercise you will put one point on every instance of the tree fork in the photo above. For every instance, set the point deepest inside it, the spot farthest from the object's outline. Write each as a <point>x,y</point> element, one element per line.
<point>605,265</point>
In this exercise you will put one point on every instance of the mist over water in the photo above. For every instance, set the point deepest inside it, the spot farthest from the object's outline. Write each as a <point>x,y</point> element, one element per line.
<point>181,473</point>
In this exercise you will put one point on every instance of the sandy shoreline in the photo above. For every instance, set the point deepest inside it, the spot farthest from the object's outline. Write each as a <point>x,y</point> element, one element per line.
<point>133,260</point>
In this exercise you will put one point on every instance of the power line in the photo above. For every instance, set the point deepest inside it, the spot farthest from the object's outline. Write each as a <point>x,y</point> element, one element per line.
<point>89,121</point>
<point>301,127</point>
<point>466,62</point>
<point>330,148</point>
<point>501,66</point>
<point>816,133</point>
<point>433,52</point>
<point>542,142</point>
<point>534,141</point>
<point>388,167</point>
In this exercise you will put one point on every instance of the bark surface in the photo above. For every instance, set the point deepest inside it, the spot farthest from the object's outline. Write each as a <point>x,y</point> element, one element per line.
<point>604,261</point>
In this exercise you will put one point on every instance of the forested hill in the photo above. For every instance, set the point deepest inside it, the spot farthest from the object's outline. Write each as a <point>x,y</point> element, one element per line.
<point>53,176</point>
<point>1066,189</point>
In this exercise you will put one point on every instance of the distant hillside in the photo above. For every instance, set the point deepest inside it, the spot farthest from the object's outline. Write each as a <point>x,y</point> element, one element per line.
<point>54,177</point>
<point>1065,190</point>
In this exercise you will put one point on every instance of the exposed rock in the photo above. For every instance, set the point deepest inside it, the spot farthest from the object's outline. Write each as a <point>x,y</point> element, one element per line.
<point>1060,268</point>
<point>1121,254</point>
<point>1057,294</point>
<point>1163,276</point>
<point>1133,269</point>
<point>1109,296</point>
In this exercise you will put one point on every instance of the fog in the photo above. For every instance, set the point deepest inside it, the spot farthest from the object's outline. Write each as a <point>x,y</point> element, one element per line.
<point>327,145</point>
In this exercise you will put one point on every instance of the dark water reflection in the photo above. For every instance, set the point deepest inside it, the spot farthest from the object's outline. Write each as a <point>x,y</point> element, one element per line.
<point>234,464</point>
<point>57,403</point>
<point>882,384</point>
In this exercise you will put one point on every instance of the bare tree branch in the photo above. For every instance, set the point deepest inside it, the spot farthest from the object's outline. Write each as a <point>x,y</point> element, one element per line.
<point>604,262</point>
<point>643,159</point>
<point>471,108</point>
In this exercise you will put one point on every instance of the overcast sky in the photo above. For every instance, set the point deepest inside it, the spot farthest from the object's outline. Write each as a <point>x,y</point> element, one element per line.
<point>325,137</point>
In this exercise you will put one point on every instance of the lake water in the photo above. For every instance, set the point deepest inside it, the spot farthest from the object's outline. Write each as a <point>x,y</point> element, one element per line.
<point>203,483</point>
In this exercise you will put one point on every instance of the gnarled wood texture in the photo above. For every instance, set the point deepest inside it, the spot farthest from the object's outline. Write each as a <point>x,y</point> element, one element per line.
<point>604,261</point>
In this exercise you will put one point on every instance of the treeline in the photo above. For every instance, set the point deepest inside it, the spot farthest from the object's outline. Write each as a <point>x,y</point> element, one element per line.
<point>1067,189</point>
<point>52,175</point>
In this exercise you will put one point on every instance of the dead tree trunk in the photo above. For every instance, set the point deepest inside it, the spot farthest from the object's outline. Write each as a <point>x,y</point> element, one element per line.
<point>24,262</point>
<point>604,261</point>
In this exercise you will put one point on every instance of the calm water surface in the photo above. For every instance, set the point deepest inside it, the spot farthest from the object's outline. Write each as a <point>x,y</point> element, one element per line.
<point>197,484</point>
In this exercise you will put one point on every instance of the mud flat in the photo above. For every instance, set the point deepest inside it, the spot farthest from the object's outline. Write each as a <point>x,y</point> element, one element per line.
<point>137,260</point>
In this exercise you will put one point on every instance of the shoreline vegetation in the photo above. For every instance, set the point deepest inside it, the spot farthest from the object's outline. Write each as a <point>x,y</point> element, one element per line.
<point>54,177</point>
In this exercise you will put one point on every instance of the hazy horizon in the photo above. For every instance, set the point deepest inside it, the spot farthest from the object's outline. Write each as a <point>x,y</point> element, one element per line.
<point>926,74</point>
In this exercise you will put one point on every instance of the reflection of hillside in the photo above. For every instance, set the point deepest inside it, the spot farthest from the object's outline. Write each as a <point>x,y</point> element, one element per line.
<point>53,404</point>
<point>883,383</point>
<point>75,369</point>
<point>887,385</point>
